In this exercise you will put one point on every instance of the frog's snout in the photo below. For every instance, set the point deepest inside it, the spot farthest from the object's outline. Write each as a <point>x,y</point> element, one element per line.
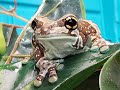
<point>71,23</point>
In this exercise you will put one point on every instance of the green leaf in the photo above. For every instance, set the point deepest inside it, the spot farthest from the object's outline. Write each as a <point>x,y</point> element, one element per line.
<point>7,67</point>
<point>91,83</point>
<point>110,74</point>
<point>2,41</point>
<point>25,71</point>
<point>75,7</point>
<point>77,69</point>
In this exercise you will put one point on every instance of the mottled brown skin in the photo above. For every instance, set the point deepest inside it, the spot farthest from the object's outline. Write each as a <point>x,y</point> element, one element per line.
<point>42,25</point>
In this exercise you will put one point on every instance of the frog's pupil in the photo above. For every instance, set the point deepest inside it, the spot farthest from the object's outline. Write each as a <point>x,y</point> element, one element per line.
<point>71,22</point>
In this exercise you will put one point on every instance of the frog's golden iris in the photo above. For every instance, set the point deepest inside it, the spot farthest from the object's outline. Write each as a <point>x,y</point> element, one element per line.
<point>71,23</point>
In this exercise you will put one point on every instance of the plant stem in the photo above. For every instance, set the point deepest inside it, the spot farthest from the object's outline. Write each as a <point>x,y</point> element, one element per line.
<point>9,25</point>
<point>15,45</point>
<point>82,9</point>
<point>20,55</point>
<point>14,15</point>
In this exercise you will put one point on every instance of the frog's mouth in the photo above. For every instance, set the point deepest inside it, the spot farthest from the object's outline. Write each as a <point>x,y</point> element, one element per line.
<point>54,35</point>
<point>62,38</point>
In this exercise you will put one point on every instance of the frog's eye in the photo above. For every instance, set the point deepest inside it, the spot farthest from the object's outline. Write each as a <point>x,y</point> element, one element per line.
<point>34,24</point>
<point>71,23</point>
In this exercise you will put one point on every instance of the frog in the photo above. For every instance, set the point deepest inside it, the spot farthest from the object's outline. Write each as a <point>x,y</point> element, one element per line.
<point>56,39</point>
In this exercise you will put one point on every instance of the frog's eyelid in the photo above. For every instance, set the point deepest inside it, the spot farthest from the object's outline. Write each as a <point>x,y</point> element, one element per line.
<point>69,27</point>
<point>74,18</point>
<point>68,18</point>
<point>74,27</point>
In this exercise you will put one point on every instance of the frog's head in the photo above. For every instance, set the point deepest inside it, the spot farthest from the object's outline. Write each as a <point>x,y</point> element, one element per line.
<point>63,30</point>
<point>65,25</point>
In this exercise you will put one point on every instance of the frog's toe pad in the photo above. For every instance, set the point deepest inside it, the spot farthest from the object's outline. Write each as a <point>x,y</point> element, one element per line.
<point>94,49</point>
<point>60,67</point>
<point>53,79</point>
<point>104,49</point>
<point>37,83</point>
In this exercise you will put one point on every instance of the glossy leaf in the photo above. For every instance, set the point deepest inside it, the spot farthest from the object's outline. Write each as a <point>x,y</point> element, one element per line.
<point>110,73</point>
<point>77,69</point>
<point>75,7</point>
<point>91,83</point>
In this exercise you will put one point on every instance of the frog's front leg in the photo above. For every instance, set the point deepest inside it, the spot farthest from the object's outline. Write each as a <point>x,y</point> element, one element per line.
<point>90,30</point>
<point>98,43</point>
<point>44,64</point>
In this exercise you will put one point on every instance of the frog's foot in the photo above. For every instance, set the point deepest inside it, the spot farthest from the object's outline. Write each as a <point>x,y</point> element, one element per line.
<point>45,66</point>
<point>38,80</point>
<point>94,48</point>
<point>52,75</point>
<point>99,45</point>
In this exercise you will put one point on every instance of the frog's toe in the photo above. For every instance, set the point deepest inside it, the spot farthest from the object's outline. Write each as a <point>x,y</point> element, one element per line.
<point>52,75</point>
<point>37,82</point>
<point>94,48</point>
<point>60,67</point>
<point>53,79</point>
<point>104,49</point>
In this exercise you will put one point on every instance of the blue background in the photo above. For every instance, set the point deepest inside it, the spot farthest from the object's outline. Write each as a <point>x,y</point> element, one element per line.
<point>105,13</point>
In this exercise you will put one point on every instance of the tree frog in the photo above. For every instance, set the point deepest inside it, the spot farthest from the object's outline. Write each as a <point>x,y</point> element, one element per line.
<point>57,39</point>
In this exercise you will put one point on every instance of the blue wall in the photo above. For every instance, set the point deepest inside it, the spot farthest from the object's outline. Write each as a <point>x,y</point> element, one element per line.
<point>105,15</point>
<point>25,8</point>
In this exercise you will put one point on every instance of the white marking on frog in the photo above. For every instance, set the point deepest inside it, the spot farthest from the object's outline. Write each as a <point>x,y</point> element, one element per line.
<point>80,40</point>
<point>58,30</point>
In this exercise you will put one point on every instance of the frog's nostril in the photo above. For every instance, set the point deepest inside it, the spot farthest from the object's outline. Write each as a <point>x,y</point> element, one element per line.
<point>71,23</point>
<point>34,24</point>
